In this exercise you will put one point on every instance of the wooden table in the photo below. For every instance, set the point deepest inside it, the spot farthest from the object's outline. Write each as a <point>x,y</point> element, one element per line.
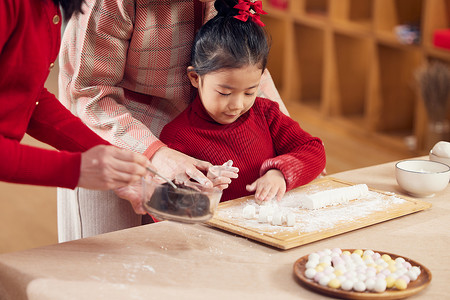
<point>176,261</point>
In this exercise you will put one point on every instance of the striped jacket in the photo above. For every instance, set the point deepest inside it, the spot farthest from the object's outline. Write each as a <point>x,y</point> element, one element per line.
<point>123,67</point>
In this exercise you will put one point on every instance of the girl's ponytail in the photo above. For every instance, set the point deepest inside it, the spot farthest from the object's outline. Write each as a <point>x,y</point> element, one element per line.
<point>226,8</point>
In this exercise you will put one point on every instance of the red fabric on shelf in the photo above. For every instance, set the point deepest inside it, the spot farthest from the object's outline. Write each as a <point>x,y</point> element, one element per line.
<point>441,38</point>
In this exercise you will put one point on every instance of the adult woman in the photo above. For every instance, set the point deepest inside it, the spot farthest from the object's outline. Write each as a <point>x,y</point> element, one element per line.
<point>29,43</point>
<point>126,79</point>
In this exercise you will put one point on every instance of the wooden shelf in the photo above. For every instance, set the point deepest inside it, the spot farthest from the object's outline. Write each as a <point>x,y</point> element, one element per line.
<point>343,60</point>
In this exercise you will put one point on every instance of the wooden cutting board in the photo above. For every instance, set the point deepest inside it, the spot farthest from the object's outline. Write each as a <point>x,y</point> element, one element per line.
<point>229,216</point>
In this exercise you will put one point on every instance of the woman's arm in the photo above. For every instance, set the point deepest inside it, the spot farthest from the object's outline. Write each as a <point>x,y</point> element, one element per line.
<point>53,124</point>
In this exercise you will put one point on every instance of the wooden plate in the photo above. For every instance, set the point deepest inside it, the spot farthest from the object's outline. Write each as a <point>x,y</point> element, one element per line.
<point>413,287</point>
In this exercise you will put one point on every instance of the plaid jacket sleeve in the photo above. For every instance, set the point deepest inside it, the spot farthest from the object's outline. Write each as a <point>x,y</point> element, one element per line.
<point>99,50</point>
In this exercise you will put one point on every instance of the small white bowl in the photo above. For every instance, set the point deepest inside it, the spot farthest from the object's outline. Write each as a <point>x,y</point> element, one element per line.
<point>422,178</point>
<point>441,159</point>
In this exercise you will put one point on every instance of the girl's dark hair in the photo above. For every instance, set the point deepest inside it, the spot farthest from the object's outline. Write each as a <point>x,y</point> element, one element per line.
<point>225,42</point>
<point>69,7</point>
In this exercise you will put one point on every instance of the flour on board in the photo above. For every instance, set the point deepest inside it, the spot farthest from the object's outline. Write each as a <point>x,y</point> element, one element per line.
<point>307,220</point>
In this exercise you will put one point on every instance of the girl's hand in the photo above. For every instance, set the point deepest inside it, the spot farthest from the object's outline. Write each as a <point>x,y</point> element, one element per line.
<point>268,186</point>
<point>221,175</point>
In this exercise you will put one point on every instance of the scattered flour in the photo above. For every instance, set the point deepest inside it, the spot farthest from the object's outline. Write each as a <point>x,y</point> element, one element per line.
<point>309,220</point>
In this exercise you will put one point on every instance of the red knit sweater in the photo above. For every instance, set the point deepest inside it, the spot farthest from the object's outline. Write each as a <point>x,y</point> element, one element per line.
<point>29,42</point>
<point>262,139</point>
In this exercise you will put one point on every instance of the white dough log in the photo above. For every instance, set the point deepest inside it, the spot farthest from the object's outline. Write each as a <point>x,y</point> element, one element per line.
<point>334,196</point>
<point>249,212</point>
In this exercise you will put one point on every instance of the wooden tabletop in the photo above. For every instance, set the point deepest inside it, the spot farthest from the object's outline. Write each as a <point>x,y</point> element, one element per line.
<point>169,260</point>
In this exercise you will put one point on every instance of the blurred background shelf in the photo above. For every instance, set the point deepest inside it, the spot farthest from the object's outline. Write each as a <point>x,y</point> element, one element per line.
<point>342,60</point>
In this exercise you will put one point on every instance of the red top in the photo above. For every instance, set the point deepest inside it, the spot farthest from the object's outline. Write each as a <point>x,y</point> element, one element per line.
<point>261,139</point>
<point>29,43</point>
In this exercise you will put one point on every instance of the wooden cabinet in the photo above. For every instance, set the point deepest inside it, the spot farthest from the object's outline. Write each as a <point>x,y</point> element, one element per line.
<point>341,59</point>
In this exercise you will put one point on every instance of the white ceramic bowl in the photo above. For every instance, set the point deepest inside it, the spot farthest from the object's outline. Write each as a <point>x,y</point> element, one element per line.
<point>422,178</point>
<point>188,204</point>
<point>441,159</point>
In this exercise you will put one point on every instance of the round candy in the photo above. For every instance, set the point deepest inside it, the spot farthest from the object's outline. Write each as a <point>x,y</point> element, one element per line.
<point>376,256</point>
<point>310,273</point>
<point>416,270</point>
<point>312,264</point>
<point>334,283</point>
<point>347,285</point>
<point>360,270</point>
<point>324,280</point>
<point>318,276</point>
<point>325,259</point>
<point>380,286</point>
<point>412,275</point>
<point>313,256</point>
<point>400,260</point>
<point>390,280</point>
<point>370,284</point>
<point>359,286</point>
<point>337,250</point>
<point>400,284</point>
<point>405,278</point>
<point>386,257</point>
<point>392,268</point>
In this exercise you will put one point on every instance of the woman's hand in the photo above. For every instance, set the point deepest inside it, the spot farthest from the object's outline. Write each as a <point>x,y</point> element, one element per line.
<point>221,176</point>
<point>108,167</point>
<point>133,193</point>
<point>176,165</point>
<point>268,186</point>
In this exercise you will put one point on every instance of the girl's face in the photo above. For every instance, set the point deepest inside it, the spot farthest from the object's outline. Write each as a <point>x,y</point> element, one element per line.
<point>227,94</point>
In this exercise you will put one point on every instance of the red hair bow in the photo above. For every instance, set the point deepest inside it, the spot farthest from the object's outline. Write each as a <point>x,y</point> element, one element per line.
<point>248,8</point>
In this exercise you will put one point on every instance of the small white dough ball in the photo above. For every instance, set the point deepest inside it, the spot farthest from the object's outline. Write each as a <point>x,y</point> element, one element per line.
<point>359,286</point>
<point>416,270</point>
<point>314,256</point>
<point>412,275</point>
<point>277,219</point>
<point>324,280</point>
<point>312,263</point>
<point>400,260</point>
<point>249,212</point>
<point>310,273</point>
<point>263,214</point>
<point>290,219</point>
<point>380,286</point>
<point>347,285</point>
<point>370,284</point>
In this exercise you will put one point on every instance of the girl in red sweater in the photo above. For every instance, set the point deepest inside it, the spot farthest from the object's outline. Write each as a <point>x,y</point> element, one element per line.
<point>227,121</point>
